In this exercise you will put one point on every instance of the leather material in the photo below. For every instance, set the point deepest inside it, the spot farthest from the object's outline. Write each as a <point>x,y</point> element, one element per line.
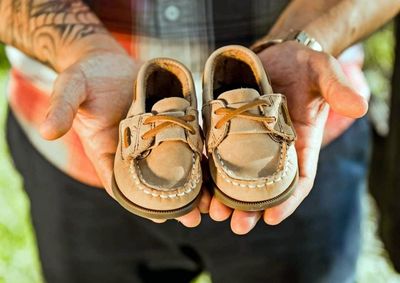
<point>283,126</point>
<point>251,156</point>
<point>132,128</point>
<point>157,165</point>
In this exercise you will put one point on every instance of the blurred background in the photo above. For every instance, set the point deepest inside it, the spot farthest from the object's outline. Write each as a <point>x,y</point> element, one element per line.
<point>18,254</point>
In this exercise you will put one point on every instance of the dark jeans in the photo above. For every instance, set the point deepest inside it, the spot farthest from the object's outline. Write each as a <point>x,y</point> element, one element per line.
<point>85,236</point>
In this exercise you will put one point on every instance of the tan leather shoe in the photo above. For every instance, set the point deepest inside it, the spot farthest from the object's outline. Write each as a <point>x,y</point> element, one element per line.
<point>157,172</point>
<point>249,134</point>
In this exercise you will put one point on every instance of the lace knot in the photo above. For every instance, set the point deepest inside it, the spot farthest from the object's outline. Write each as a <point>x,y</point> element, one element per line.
<point>242,112</point>
<point>166,122</point>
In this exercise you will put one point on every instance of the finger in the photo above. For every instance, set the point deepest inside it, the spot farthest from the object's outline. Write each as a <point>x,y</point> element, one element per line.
<point>243,222</point>
<point>276,214</point>
<point>192,219</point>
<point>308,154</point>
<point>159,221</point>
<point>68,93</point>
<point>205,201</point>
<point>219,211</point>
<point>104,168</point>
<point>335,88</point>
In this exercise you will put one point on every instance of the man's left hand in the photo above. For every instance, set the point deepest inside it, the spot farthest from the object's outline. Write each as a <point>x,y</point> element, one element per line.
<point>312,82</point>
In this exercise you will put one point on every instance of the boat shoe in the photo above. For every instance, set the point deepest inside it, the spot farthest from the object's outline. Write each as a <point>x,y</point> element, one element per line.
<point>249,134</point>
<point>157,172</point>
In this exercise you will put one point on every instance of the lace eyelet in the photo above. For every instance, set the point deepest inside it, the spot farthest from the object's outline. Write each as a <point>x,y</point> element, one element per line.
<point>127,137</point>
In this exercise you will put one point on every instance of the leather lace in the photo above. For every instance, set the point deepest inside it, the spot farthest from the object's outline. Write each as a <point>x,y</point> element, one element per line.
<point>167,121</point>
<point>230,113</point>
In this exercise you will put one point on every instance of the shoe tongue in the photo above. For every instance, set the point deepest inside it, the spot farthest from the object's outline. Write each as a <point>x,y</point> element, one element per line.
<point>170,104</point>
<point>239,95</point>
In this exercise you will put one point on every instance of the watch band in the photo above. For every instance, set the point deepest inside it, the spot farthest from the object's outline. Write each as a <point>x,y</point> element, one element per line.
<point>303,38</point>
<point>300,36</point>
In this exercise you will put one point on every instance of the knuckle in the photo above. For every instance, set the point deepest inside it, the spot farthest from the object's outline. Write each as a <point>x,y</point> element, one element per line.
<point>70,78</point>
<point>321,60</point>
<point>328,84</point>
<point>324,71</point>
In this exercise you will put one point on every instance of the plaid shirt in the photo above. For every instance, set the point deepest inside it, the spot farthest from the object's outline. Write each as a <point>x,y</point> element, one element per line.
<point>185,30</point>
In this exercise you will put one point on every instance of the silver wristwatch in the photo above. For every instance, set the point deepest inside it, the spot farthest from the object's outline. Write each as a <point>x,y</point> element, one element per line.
<point>300,36</point>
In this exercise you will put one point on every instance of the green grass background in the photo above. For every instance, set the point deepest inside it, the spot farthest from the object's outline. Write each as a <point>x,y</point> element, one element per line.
<point>18,253</point>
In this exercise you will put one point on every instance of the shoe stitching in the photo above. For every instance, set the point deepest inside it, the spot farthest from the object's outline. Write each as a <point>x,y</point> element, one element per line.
<point>271,180</point>
<point>216,135</point>
<point>189,186</point>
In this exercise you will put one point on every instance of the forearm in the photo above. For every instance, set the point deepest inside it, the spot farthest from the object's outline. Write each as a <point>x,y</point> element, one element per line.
<point>336,24</point>
<point>56,33</point>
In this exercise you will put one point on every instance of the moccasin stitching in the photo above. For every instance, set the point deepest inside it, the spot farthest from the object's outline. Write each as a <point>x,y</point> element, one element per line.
<point>216,137</point>
<point>277,176</point>
<point>187,188</point>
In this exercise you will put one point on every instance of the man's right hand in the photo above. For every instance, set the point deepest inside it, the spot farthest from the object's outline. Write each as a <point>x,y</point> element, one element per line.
<point>93,95</point>
<point>94,88</point>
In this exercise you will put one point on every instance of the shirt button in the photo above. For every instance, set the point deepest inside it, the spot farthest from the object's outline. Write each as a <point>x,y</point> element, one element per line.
<point>172,13</point>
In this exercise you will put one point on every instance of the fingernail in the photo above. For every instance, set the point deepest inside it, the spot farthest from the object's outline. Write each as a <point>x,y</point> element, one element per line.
<point>246,224</point>
<point>271,219</point>
<point>251,221</point>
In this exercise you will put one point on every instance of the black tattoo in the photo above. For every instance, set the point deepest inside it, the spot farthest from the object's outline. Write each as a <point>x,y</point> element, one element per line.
<point>42,27</point>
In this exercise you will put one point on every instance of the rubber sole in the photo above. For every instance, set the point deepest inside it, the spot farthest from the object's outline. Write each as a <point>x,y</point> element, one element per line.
<point>150,213</point>
<point>255,206</point>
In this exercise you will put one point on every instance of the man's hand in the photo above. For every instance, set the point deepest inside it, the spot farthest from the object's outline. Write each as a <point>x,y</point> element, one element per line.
<point>93,95</point>
<point>312,82</point>
<point>94,88</point>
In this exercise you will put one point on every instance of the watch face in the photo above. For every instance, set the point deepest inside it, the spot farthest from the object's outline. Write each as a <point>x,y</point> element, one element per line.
<point>293,35</point>
<point>300,36</point>
<point>303,38</point>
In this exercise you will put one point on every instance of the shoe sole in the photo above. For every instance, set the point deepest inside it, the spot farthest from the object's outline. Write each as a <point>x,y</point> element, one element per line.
<point>150,213</point>
<point>257,205</point>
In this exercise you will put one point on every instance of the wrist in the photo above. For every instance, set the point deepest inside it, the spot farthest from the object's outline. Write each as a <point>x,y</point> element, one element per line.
<point>93,44</point>
<point>298,36</point>
<point>317,31</point>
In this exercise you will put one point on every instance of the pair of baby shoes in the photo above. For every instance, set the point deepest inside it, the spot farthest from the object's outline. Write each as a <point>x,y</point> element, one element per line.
<point>249,138</point>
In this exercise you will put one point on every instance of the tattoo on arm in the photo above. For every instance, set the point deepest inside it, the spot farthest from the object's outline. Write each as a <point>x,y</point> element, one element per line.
<point>41,27</point>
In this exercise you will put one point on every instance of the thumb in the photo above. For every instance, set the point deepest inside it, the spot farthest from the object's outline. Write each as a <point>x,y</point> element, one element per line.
<point>69,92</point>
<point>336,90</point>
